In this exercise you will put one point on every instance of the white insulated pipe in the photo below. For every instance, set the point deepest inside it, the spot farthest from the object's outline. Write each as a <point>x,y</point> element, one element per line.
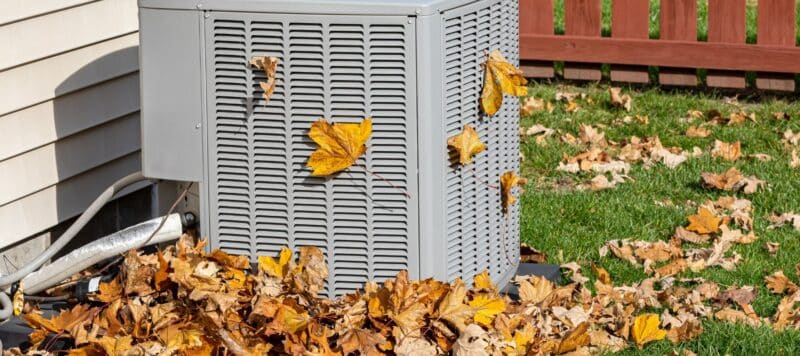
<point>112,245</point>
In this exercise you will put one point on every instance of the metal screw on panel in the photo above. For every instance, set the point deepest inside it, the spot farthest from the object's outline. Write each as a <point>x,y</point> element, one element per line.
<point>207,14</point>
<point>197,126</point>
<point>418,11</point>
<point>199,6</point>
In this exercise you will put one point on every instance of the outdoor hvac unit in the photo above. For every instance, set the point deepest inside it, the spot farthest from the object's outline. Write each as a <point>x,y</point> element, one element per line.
<point>414,66</point>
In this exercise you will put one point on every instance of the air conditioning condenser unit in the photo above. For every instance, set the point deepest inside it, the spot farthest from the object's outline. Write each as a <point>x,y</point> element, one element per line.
<point>414,66</point>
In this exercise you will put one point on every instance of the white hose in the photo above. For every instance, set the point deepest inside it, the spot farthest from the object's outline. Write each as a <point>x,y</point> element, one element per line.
<point>73,230</point>
<point>112,245</point>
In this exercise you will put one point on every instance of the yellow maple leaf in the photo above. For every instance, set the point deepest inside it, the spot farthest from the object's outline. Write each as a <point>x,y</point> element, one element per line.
<point>522,338</point>
<point>452,307</point>
<point>276,269</point>
<point>704,222</point>
<point>645,329</point>
<point>289,320</point>
<point>486,308</point>
<point>108,292</point>
<point>500,77</point>
<point>270,67</point>
<point>467,144</point>
<point>576,338</point>
<point>483,281</point>
<point>340,145</point>
<point>507,182</point>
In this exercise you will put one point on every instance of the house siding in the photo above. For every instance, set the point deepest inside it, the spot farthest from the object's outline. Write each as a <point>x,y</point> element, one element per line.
<point>69,108</point>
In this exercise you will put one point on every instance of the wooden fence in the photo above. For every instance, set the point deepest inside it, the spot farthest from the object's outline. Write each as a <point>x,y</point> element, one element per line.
<point>677,53</point>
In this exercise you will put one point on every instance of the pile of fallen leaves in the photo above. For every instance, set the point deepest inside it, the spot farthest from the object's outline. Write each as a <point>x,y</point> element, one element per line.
<point>184,300</point>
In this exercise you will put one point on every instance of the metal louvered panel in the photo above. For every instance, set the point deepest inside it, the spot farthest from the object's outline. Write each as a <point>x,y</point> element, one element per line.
<point>476,229</point>
<point>260,193</point>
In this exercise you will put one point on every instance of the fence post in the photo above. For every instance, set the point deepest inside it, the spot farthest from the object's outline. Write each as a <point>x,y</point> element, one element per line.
<point>630,19</point>
<point>678,22</point>
<point>726,23</point>
<point>582,18</point>
<point>536,17</point>
<point>776,26</point>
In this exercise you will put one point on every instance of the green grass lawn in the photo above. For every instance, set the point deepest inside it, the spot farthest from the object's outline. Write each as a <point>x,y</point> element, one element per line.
<point>571,225</point>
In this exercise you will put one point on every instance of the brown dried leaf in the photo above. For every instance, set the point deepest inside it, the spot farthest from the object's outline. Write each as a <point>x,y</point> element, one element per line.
<point>704,222</point>
<point>727,151</point>
<point>698,131</point>
<point>270,67</point>
<point>620,100</point>
<point>778,283</point>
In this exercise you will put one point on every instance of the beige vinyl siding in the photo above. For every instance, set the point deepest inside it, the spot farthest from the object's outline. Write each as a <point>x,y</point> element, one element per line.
<point>16,10</point>
<point>35,126</point>
<point>69,108</point>
<point>64,31</point>
<point>38,211</point>
<point>64,73</point>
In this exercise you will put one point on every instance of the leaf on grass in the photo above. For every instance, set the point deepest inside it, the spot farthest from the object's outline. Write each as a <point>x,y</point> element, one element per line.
<point>508,181</point>
<point>778,283</point>
<point>794,161</point>
<point>270,67</point>
<point>533,105</point>
<point>500,77</point>
<point>620,100</point>
<point>790,218</point>
<point>340,145</point>
<point>727,151</point>
<point>732,180</point>
<point>772,247</point>
<point>698,131</point>
<point>466,144</point>
<point>735,316</point>
<point>791,138</point>
<point>572,107</point>
<point>602,274</point>
<point>646,329</point>
<point>688,330</point>
<point>704,222</point>
<point>691,237</point>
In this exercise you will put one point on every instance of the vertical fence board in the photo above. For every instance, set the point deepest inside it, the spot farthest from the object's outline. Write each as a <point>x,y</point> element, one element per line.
<point>536,17</point>
<point>582,18</point>
<point>726,23</point>
<point>776,26</point>
<point>678,22</point>
<point>630,19</point>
